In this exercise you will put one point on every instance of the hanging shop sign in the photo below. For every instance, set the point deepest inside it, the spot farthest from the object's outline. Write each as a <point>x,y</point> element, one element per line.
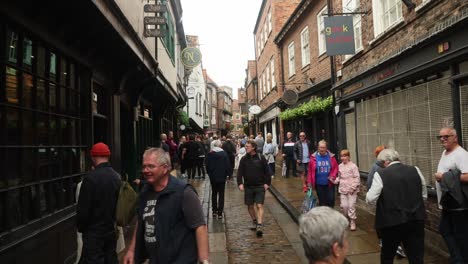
<point>155,20</point>
<point>191,57</point>
<point>339,35</point>
<point>155,8</point>
<point>155,32</point>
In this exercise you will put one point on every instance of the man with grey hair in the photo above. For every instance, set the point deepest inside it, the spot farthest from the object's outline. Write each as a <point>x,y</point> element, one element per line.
<point>323,234</point>
<point>171,226</point>
<point>452,171</point>
<point>400,191</point>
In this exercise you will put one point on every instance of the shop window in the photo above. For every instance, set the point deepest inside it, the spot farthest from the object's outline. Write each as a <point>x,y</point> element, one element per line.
<point>41,61</point>
<point>350,121</point>
<point>27,53</point>
<point>27,93</point>
<point>52,66</point>
<point>407,120</point>
<point>39,114</point>
<point>12,46</point>
<point>11,85</point>
<point>41,101</point>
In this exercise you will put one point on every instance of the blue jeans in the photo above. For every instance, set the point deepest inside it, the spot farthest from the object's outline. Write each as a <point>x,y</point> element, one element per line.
<point>454,229</point>
<point>326,195</point>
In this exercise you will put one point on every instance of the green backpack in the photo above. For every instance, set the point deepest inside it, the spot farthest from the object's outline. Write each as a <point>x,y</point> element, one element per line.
<point>126,204</point>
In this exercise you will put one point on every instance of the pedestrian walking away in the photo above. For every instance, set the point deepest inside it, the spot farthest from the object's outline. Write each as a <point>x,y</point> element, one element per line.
<point>95,212</point>
<point>323,169</point>
<point>170,225</point>
<point>200,159</point>
<point>260,142</point>
<point>288,155</point>
<point>218,168</point>
<point>452,192</point>
<point>349,181</point>
<point>253,179</point>
<point>230,148</point>
<point>399,191</point>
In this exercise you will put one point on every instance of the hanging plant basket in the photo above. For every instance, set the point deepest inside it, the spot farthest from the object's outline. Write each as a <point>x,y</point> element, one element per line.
<point>307,109</point>
<point>183,118</point>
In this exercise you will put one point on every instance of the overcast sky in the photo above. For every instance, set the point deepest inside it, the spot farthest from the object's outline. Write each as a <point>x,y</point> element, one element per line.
<point>225,30</point>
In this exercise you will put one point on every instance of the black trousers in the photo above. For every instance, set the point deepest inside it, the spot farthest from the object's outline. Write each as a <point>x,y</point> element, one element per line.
<point>217,196</point>
<point>99,249</point>
<point>412,236</point>
<point>326,195</point>
<point>200,164</point>
<point>290,165</point>
<point>454,229</point>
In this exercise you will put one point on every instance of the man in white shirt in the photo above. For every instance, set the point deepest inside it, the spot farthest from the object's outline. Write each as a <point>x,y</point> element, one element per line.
<point>454,221</point>
<point>400,191</point>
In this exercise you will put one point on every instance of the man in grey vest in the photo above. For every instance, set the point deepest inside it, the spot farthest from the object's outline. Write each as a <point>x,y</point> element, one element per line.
<point>400,191</point>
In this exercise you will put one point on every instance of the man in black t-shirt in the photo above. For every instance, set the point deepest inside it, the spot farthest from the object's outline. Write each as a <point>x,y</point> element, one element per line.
<point>171,226</point>
<point>230,148</point>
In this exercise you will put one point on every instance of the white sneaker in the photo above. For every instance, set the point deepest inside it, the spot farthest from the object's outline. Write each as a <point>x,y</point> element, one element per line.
<point>400,252</point>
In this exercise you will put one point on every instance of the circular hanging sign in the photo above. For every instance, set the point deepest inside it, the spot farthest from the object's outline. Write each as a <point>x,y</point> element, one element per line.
<point>191,57</point>
<point>190,91</point>
<point>255,109</point>
<point>182,127</point>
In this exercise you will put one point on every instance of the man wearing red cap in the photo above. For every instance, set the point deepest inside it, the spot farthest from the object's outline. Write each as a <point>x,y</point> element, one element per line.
<point>96,209</point>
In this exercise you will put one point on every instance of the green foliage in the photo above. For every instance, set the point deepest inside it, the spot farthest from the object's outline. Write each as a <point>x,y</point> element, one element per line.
<point>183,118</point>
<point>307,109</point>
<point>246,129</point>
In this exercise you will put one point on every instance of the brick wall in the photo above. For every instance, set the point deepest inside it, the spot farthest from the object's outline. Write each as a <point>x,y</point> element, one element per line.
<point>416,24</point>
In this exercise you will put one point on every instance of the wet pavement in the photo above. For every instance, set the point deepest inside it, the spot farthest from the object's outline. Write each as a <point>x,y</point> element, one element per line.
<point>231,241</point>
<point>363,242</point>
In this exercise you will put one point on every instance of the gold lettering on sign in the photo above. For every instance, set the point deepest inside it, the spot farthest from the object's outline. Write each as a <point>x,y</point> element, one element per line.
<point>189,56</point>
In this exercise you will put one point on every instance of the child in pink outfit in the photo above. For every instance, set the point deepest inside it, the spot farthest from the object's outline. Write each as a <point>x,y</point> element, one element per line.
<point>349,180</point>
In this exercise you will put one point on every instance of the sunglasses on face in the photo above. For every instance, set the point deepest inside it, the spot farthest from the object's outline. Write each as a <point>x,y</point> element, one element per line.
<point>444,137</point>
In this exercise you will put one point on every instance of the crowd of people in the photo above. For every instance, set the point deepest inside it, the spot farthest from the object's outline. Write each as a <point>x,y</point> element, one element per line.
<point>169,209</point>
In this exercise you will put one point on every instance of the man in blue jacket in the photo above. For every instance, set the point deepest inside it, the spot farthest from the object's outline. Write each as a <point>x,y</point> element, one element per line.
<point>218,167</point>
<point>171,227</point>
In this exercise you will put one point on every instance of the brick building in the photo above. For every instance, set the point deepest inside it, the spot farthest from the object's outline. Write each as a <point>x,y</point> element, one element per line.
<point>271,18</point>
<point>251,92</point>
<point>305,68</point>
<point>224,109</point>
<point>236,124</point>
<point>211,104</point>
<point>407,79</point>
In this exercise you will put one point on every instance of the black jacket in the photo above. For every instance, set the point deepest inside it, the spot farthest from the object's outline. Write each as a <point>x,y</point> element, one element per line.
<point>288,149</point>
<point>218,166</point>
<point>298,151</point>
<point>253,171</point>
<point>230,148</point>
<point>97,201</point>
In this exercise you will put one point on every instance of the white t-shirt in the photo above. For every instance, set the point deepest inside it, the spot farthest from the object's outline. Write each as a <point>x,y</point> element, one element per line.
<point>457,159</point>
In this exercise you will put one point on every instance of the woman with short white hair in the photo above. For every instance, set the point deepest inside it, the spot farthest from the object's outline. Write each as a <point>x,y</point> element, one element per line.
<point>323,232</point>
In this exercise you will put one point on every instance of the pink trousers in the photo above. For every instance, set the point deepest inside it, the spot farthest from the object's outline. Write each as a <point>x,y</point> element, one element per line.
<point>348,205</point>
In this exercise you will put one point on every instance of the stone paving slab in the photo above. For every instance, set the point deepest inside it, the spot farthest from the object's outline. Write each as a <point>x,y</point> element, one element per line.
<point>242,243</point>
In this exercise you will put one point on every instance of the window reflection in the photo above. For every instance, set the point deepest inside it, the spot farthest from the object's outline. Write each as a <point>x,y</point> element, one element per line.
<point>43,163</point>
<point>53,131</point>
<point>41,61</point>
<point>12,126</point>
<point>63,99</point>
<point>27,90</point>
<point>42,199</point>
<point>71,75</point>
<point>27,53</point>
<point>27,131</point>
<point>12,85</point>
<point>52,97</point>
<point>12,46</point>
<point>53,66</point>
<point>41,102</point>
<point>42,129</point>
<point>12,158</point>
<point>63,71</point>
<point>13,208</point>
